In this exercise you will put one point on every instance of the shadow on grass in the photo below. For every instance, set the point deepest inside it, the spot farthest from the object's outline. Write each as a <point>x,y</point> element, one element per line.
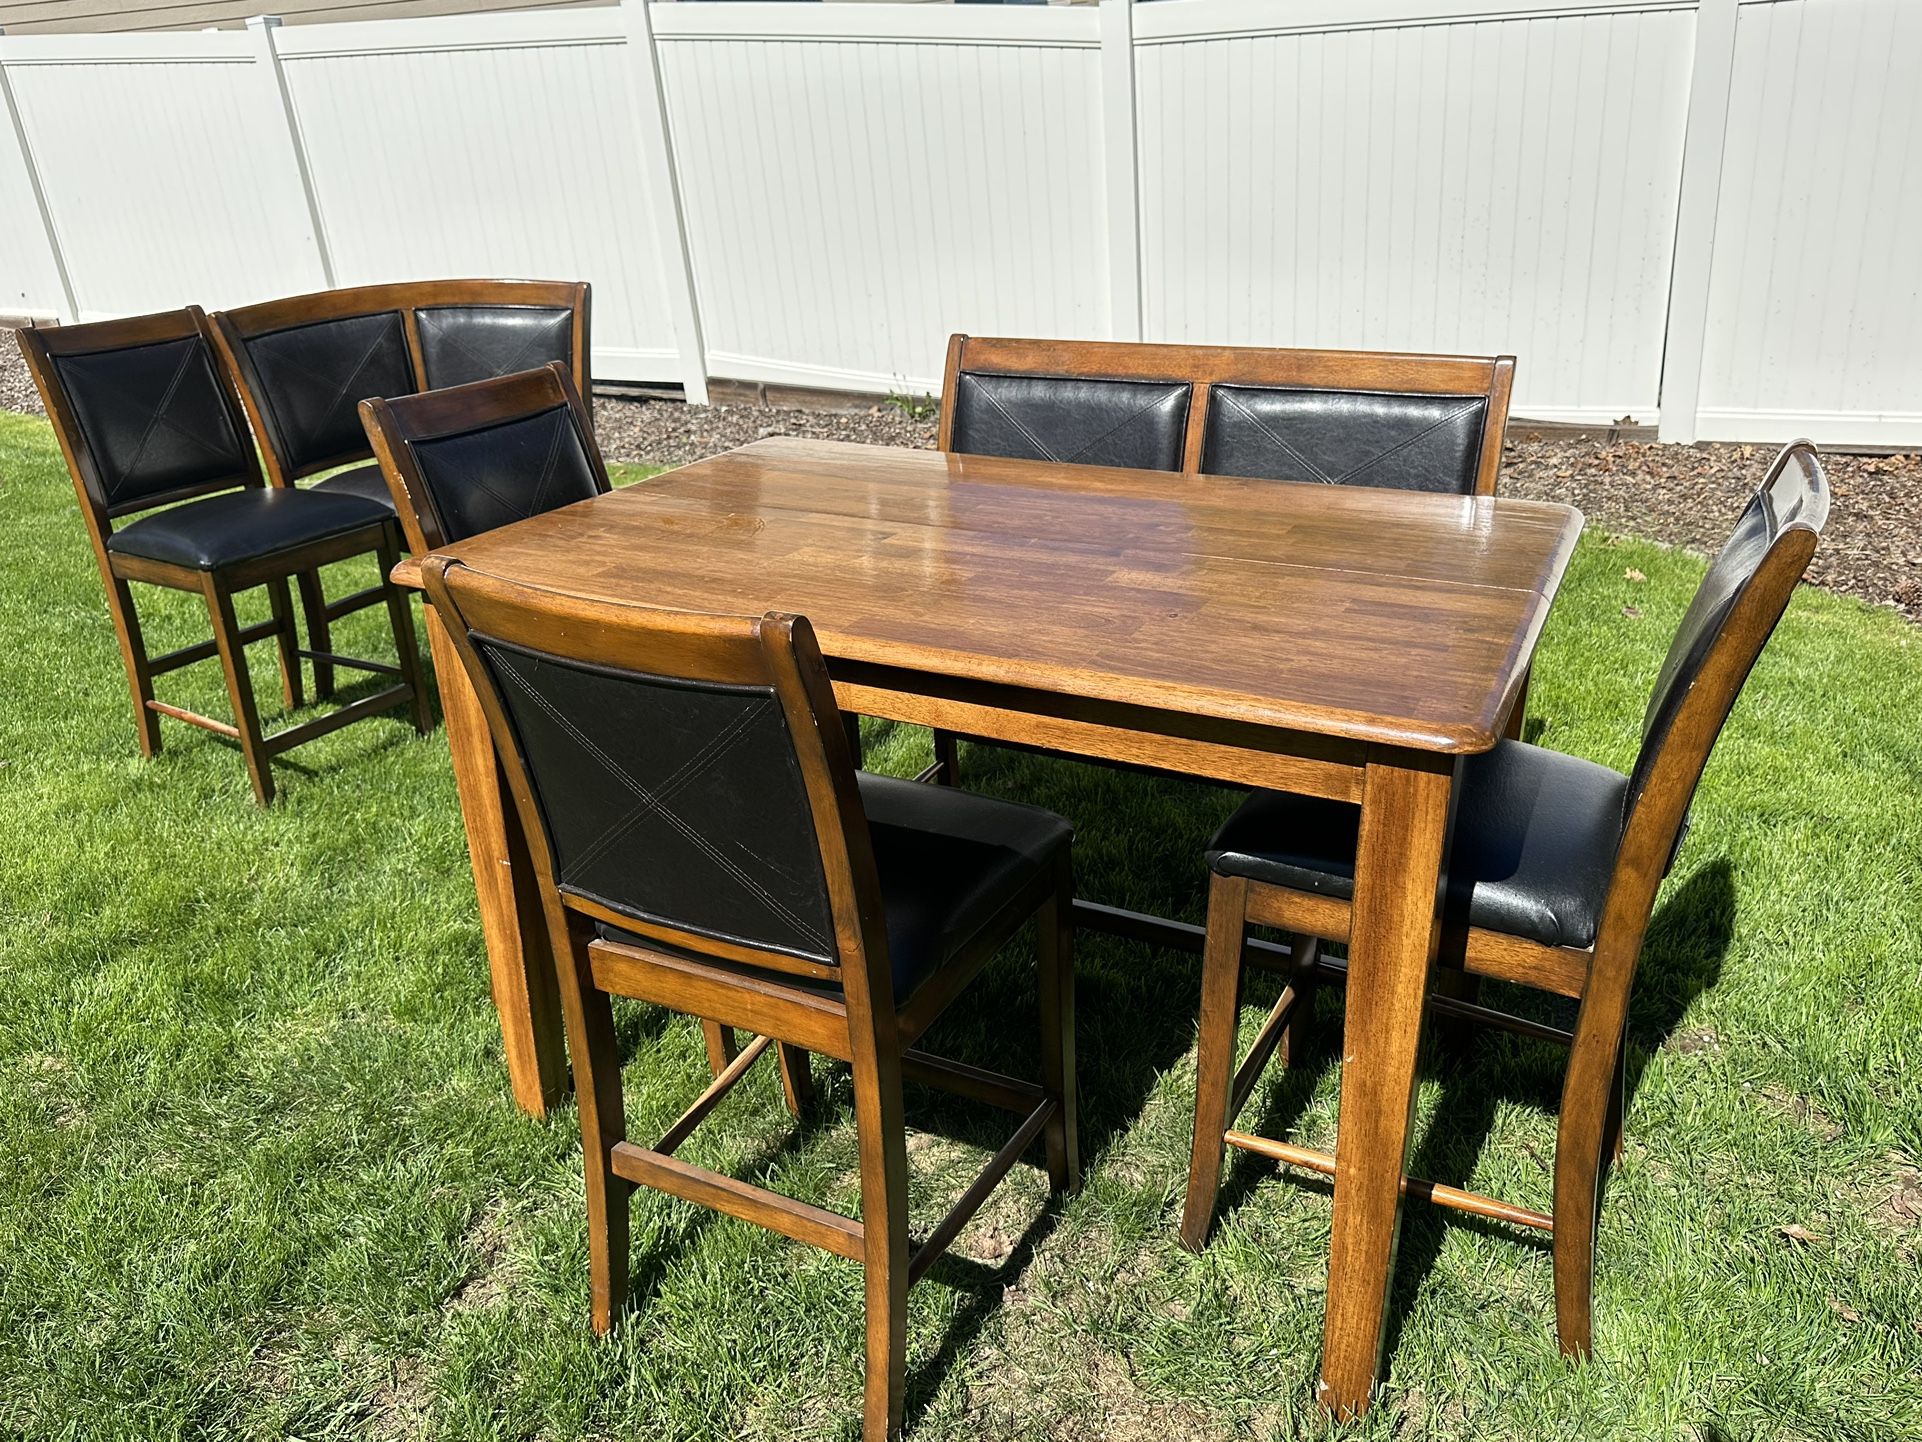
<point>1682,956</point>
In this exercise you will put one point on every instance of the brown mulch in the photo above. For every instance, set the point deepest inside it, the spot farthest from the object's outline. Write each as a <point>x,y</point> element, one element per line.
<point>1681,495</point>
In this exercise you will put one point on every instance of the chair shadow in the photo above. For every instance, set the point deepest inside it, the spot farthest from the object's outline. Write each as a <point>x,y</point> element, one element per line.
<point>1682,956</point>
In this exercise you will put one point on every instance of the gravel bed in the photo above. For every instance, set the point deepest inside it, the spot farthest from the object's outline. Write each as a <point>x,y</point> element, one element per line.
<point>1682,495</point>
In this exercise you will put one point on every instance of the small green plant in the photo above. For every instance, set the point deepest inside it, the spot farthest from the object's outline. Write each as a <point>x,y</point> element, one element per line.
<point>916,408</point>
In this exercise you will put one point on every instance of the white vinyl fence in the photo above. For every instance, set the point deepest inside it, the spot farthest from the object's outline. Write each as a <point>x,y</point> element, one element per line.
<point>1702,213</point>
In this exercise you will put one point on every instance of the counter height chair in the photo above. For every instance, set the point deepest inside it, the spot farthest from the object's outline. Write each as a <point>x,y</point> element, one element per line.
<point>148,425</point>
<point>701,840</point>
<point>303,364</point>
<point>1553,869</point>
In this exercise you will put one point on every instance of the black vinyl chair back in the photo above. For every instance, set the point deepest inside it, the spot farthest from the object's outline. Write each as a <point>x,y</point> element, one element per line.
<point>1082,420</point>
<point>1373,418</point>
<point>464,343</point>
<point>1780,524</point>
<point>310,378</point>
<point>470,458</point>
<point>153,421</point>
<point>1403,440</point>
<point>669,800</point>
<point>689,773</point>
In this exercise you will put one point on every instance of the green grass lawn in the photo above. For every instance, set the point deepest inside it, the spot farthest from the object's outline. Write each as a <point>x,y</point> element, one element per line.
<point>260,1175</point>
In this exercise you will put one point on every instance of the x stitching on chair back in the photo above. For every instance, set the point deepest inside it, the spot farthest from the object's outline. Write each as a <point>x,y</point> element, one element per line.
<point>1339,417</point>
<point>470,458</point>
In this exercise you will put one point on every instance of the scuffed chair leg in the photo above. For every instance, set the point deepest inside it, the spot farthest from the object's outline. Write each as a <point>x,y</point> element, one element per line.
<point>1215,1052</point>
<point>797,1081</point>
<point>1056,979</point>
<point>880,1122</point>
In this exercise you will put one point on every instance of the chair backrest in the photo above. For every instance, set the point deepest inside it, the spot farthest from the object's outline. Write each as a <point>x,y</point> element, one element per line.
<point>1413,422</point>
<point>142,411</point>
<point>474,330</point>
<point>469,458</point>
<point>304,363</point>
<point>1731,618</point>
<point>682,776</point>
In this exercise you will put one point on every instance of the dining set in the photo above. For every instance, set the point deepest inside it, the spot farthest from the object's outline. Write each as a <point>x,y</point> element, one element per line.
<point>1287,572</point>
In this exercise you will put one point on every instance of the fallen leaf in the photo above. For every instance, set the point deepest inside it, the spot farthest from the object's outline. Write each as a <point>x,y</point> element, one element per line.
<point>1844,1310</point>
<point>1796,1232</point>
<point>1634,575</point>
<point>1632,612</point>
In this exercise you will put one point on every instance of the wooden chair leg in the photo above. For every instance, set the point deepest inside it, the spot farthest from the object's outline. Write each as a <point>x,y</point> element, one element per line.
<point>313,603</point>
<point>1617,1104</point>
<point>1056,980</point>
<point>1292,1049</point>
<point>280,598</point>
<point>597,1078</point>
<point>133,655</point>
<point>947,755</point>
<point>852,725</point>
<point>400,615</point>
<point>1589,1095</point>
<point>797,1081</point>
<point>722,1045</point>
<point>1454,1035</point>
<point>240,687</point>
<point>882,1127</point>
<point>1215,1051</point>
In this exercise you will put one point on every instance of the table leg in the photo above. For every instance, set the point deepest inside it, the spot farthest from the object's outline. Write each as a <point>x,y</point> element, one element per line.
<point>1391,952</point>
<point>519,960</point>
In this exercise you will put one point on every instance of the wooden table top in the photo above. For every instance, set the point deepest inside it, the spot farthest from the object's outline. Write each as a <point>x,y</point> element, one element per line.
<point>1384,616</point>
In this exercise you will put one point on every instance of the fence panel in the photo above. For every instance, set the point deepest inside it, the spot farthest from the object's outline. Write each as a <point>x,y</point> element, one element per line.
<point>861,180</point>
<point>1396,176</point>
<point>1815,293</point>
<point>159,169</point>
<point>486,145</point>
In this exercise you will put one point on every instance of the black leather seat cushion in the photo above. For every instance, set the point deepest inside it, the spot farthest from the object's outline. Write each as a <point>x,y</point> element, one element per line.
<point>949,863</point>
<point>462,343</point>
<point>364,481</point>
<point>1353,438</point>
<point>240,526</point>
<point>1534,844</point>
<point>1089,422</point>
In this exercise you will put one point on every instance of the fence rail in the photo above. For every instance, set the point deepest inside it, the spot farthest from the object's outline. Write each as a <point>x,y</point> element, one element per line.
<point>1700,213</point>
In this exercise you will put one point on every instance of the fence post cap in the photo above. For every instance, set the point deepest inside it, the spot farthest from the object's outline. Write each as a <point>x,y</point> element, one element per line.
<point>263,22</point>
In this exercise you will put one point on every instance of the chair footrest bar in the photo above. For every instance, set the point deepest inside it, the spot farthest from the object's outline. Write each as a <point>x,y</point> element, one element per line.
<point>1468,1010</point>
<point>379,668</point>
<point>1006,1092</point>
<point>802,1221</point>
<point>1417,1187</point>
<point>928,773</point>
<point>358,601</point>
<point>194,718</point>
<point>942,1237</point>
<point>1249,1072</point>
<point>1162,931</point>
<point>347,715</point>
<point>684,1124</point>
<point>202,650</point>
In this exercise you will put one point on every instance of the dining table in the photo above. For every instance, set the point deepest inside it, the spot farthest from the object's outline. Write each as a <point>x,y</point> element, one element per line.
<point>1335,641</point>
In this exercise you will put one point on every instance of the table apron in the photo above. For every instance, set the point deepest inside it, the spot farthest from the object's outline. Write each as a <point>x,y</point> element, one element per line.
<point>1238,753</point>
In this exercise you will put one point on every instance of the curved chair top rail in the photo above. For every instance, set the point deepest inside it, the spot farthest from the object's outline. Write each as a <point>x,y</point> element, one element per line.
<point>405,430</point>
<point>387,339</point>
<point>142,412</point>
<point>265,316</point>
<point>501,626</point>
<point>1203,367</point>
